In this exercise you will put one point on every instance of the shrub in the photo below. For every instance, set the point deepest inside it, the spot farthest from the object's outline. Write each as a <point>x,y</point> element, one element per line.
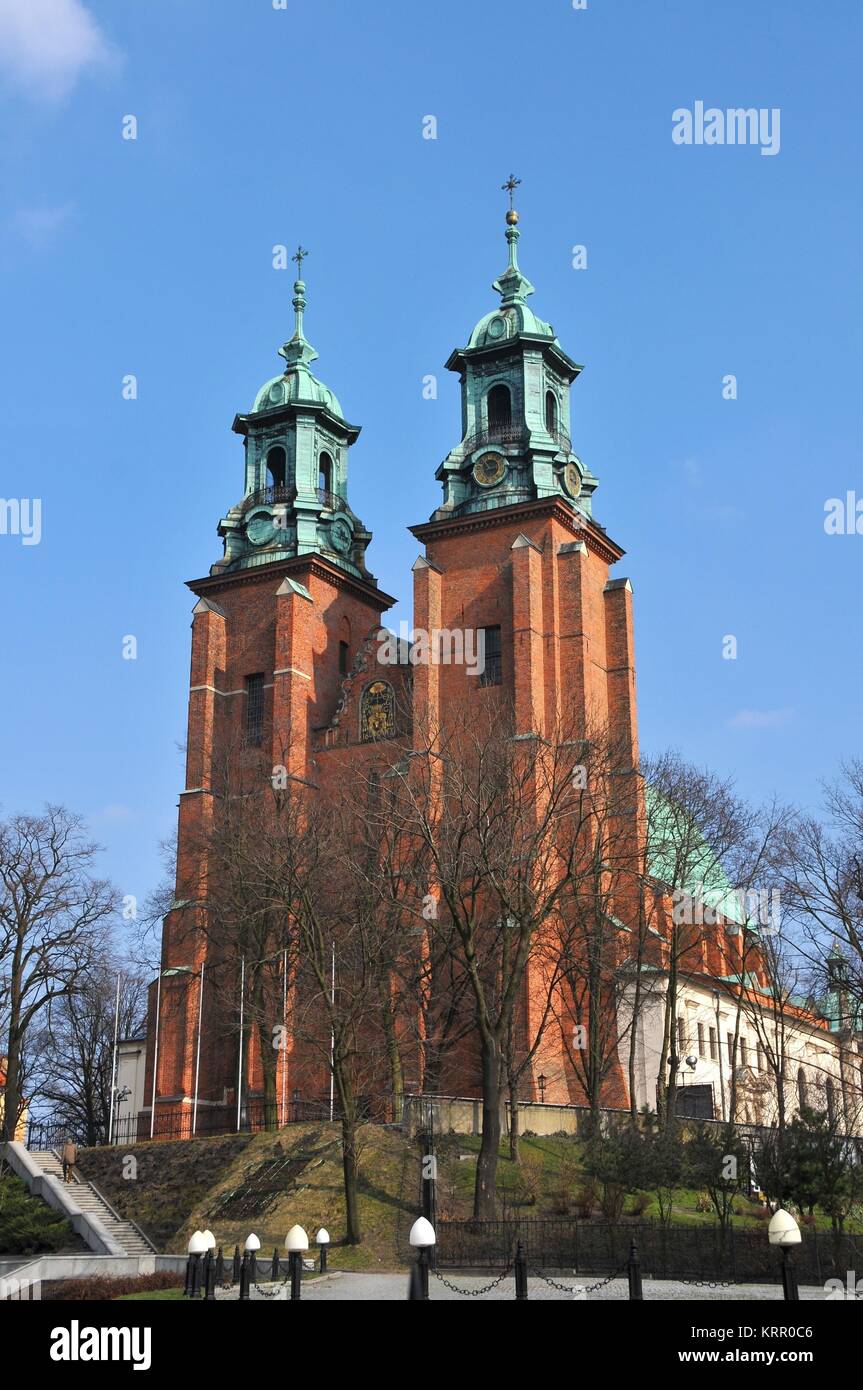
<point>101,1288</point>
<point>28,1226</point>
<point>529,1180</point>
<point>640,1204</point>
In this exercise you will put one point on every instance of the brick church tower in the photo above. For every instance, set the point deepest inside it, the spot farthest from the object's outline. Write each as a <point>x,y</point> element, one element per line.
<point>286,631</point>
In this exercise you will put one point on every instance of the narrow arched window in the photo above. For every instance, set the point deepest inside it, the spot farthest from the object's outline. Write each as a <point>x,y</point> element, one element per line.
<point>325,473</point>
<point>551,412</point>
<point>276,462</point>
<point>499,409</point>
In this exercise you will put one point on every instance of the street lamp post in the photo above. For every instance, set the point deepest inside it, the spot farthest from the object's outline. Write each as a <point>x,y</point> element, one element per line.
<point>196,1247</point>
<point>784,1232</point>
<point>296,1243</point>
<point>541,1082</point>
<point>322,1240</point>
<point>247,1268</point>
<point>209,1272</point>
<point>422,1239</point>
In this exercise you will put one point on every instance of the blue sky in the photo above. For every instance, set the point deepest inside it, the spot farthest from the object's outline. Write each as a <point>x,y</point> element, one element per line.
<point>259,126</point>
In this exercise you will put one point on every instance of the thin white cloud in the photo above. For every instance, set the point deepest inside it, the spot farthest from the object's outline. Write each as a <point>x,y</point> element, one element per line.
<point>761,718</point>
<point>46,45</point>
<point>39,226</point>
<point>114,814</point>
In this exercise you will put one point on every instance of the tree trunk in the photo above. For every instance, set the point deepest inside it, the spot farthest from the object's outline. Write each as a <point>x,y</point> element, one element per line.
<point>350,1172</point>
<point>485,1190</point>
<point>393,1055</point>
<point>513,1120</point>
<point>12,1098</point>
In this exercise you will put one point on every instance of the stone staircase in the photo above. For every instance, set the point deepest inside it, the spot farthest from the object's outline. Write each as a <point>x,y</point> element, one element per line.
<point>90,1200</point>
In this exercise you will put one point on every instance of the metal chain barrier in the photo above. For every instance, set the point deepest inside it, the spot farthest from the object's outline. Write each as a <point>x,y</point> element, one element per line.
<point>472,1293</point>
<point>579,1288</point>
<point>708,1283</point>
<point>276,1292</point>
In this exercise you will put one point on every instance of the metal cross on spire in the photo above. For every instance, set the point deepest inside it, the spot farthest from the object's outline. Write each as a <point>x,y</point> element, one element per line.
<point>510,186</point>
<point>299,256</point>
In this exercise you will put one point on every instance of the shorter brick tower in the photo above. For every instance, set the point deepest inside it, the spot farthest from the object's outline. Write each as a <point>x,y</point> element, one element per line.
<point>281,623</point>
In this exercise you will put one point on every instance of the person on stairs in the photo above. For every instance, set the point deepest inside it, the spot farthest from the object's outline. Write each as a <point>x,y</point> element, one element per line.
<point>70,1158</point>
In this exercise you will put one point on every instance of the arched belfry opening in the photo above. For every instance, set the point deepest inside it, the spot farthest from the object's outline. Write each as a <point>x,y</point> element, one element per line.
<point>325,473</point>
<point>499,410</point>
<point>276,465</point>
<point>551,412</point>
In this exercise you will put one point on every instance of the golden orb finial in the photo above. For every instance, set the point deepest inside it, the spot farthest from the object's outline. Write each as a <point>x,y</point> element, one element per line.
<point>512,217</point>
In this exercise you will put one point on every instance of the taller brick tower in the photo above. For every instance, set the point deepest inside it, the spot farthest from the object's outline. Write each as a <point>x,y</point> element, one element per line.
<point>514,551</point>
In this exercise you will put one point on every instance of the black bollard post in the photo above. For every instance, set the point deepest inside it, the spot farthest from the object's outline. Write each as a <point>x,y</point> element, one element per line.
<point>210,1282</point>
<point>520,1272</point>
<point>295,1265</point>
<point>323,1250</point>
<point>634,1271</point>
<point>415,1283</point>
<point>253,1267</point>
<point>244,1277</point>
<point>235,1268</point>
<point>220,1268</point>
<point>423,1265</point>
<point>790,1290</point>
<point>196,1277</point>
<point>274,1267</point>
<point>205,1273</point>
<point>187,1287</point>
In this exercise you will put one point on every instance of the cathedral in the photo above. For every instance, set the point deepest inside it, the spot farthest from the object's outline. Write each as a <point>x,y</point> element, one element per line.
<point>286,642</point>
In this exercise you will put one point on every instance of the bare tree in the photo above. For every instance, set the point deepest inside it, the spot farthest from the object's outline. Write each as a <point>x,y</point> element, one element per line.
<point>54,921</point>
<point>498,824</point>
<point>79,1047</point>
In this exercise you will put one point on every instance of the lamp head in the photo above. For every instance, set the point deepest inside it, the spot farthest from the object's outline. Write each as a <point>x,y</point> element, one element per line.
<point>252,1243</point>
<point>323,1236</point>
<point>422,1233</point>
<point>296,1240</point>
<point>197,1244</point>
<point>783,1229</point>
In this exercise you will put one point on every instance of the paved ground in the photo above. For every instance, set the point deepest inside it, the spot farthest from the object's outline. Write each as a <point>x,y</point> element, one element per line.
<point>394,1287</point>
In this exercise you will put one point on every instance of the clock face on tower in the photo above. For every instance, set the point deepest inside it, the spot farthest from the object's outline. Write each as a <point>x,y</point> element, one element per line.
<point>572,479</point>
<point>341,536</point>
<point>489,469</point>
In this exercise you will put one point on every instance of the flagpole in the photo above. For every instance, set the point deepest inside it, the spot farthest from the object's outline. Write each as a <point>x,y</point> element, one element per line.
<point>242,1020</point>
<point>114,1063</point>
<point>332,1031</point>
<point>156,1053</point>
<point>198,1050</point>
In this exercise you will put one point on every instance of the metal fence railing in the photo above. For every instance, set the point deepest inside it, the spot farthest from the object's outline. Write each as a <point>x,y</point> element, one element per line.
<point>183,1124</point>
<point>697,1253</point>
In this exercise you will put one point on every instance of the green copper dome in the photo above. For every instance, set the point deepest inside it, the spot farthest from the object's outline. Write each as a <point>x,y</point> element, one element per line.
<point>296,385</point>
<point>508,322</point>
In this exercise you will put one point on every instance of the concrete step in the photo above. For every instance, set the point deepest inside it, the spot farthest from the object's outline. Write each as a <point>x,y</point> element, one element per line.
<point>89,1201</point>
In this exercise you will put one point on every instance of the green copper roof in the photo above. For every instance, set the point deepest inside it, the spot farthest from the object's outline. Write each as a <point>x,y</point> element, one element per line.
<point>677,853</point>
<point>297,383</point>
<point>514,316</point>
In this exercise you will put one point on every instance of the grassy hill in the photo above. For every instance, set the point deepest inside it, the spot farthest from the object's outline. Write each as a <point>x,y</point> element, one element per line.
<point>206,1183</point>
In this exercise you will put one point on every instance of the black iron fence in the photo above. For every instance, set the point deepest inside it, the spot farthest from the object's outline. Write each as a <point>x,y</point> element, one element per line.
<point>184,1124</point>
<point>700,1253</point>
